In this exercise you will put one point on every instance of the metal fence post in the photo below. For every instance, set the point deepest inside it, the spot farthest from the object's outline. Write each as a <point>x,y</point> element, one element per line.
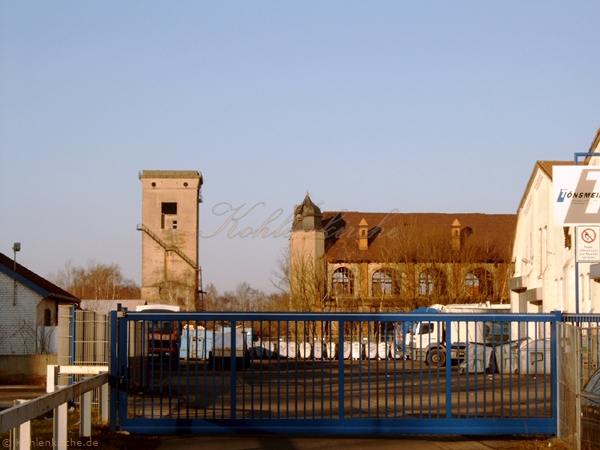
<point>342,386</point>
<point>578,387</point>
<point>113,369</point>
<point>449,392</point>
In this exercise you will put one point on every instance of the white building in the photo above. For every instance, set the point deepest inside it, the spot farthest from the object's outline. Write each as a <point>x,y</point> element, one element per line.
<point>547,275</point>
<point>28,310</point>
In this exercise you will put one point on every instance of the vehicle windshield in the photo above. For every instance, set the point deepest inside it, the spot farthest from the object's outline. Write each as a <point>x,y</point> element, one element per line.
<point>160,326</point>
<point>593,384</point>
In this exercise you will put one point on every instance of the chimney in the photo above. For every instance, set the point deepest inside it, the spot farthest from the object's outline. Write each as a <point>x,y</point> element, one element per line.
<point>363,235</point>
<point>456,235</point>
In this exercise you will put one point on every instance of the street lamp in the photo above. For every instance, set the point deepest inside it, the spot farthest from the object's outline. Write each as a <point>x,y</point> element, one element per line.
<point>16,248</point>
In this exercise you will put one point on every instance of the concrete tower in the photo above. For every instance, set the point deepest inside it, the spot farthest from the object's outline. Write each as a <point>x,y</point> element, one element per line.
<point>169,228</point>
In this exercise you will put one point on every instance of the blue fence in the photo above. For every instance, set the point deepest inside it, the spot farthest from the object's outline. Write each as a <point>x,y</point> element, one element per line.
<point>342,373</point>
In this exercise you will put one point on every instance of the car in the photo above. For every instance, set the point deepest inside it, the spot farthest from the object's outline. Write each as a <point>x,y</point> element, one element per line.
<point>590,411</point>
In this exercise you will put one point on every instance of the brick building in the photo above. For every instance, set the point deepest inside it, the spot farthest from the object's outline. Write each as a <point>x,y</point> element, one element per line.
<point>361,261</point>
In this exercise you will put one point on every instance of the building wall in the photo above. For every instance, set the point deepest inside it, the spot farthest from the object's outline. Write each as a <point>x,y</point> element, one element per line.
<point>25,369</point>
<point>307,245</point>
<point>407,280</point>
<point>544,256</point>
<point>18,323</point>
<point>170,248</point>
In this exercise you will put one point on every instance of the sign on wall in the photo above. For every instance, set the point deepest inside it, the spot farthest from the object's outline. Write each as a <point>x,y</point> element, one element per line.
<point>588,243</point>
<point>576,195</point>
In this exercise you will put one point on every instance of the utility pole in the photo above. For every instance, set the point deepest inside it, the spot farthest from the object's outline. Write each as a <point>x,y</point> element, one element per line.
<point>16,248</point>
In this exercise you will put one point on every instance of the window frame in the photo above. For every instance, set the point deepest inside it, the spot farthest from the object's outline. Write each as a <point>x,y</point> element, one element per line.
<point>385,282</point>
<point>432,281</point>
<point>479,282</point>
<point>342,281</point>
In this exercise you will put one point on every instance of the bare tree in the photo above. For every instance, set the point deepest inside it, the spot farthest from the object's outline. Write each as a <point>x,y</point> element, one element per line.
<point>436,271</point>
<point>95,281</point>
<point>210,298</point>
<point>303,279</point>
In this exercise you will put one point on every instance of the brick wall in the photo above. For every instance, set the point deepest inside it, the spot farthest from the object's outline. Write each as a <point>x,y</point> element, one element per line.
<point>18,323</point>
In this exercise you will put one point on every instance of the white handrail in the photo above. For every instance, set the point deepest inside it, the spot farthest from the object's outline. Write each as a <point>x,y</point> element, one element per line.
<point>15,416</point>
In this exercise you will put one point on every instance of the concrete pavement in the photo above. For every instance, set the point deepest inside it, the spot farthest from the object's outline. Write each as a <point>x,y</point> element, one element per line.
<point>271,442</point>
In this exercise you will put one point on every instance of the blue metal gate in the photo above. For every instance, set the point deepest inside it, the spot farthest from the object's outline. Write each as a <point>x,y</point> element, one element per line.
<point>333,373</point>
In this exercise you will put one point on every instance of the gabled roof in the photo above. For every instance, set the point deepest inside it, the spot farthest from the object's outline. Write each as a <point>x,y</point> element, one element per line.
<point>33,281</point>
<point>418,236</point>
<point>593,147</point>
<point>546,168</point>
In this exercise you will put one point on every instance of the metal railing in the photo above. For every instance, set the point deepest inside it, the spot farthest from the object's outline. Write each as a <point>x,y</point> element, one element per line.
<point>168,247</point>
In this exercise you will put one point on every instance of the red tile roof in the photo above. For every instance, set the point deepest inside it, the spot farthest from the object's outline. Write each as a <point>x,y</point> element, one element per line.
<point>412,237</point>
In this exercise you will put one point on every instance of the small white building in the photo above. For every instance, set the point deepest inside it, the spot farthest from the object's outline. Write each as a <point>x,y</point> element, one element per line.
<point>28,310</point>
<point>547,276</point>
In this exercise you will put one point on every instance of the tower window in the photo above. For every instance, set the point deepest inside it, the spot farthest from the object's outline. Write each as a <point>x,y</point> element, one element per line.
<point>169,208</point>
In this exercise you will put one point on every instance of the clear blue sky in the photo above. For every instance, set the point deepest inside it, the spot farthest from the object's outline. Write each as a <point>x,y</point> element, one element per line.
<point>436,106</point>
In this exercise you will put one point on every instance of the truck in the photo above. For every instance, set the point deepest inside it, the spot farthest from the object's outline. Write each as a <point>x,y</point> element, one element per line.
<point>163,337</point>
<point>426,340</point>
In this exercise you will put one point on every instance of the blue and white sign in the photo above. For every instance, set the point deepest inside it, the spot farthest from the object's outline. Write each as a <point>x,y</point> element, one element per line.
<point>576,195</point>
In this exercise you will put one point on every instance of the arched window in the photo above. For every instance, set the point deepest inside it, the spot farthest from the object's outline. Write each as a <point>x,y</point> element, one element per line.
<point>479,283</point>
<point>431,281</point>
<point>343,281</point>
<point>384,282</point>
<point>426,283</point>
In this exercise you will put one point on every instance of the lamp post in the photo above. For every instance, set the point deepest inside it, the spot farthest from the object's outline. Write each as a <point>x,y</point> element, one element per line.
<point>16,248</point>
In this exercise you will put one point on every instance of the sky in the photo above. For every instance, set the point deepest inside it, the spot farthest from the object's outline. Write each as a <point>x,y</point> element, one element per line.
<point>430,106</point>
